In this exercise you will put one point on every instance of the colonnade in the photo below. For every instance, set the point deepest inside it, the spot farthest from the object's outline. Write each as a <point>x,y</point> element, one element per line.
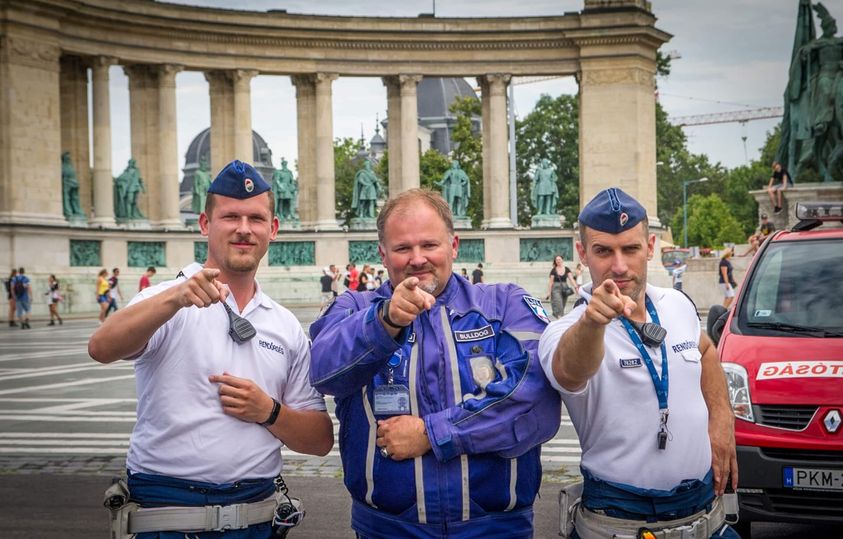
<point>152,96</point>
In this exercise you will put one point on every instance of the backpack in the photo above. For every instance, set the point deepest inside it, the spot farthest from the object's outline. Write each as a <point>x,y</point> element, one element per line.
<point>19,288</point>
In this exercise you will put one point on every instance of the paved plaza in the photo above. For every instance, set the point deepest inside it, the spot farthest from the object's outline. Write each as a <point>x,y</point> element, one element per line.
<point>65,422</point>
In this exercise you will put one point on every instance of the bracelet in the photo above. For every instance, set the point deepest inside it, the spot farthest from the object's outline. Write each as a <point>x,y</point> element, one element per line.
<point>273,416</point>
<point>385,315</point>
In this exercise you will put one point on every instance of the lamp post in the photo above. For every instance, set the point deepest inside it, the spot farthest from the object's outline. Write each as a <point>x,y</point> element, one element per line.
<point>685,207</point>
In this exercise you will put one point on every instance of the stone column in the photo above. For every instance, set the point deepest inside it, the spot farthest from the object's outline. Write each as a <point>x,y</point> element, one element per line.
<point>144,115</point>
<point>487,193</point>
<point>409,131</point>
<point>103,180</point>
<point>618,129</point>
<point>326,213</point>
<point>243,147</point>
<point>168,164</point>
<point>73,86</point>
<point>496,152</point>
<point>221,92</point>
<point>393,133</point>
<point>306,128</point>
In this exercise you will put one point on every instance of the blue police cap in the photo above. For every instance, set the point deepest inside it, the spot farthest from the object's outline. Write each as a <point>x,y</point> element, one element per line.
<point>612,211</point>
<point>238,180</point>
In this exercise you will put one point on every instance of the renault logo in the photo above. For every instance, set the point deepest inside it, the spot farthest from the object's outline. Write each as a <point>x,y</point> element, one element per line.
<point>832,421</point>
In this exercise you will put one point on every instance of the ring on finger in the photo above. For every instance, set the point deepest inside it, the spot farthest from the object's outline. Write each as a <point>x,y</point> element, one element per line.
<point>384,453</point>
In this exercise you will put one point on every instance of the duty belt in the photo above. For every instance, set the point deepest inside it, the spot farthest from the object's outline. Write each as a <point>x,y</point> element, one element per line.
<point>591,525</point>
<point>199,519</point>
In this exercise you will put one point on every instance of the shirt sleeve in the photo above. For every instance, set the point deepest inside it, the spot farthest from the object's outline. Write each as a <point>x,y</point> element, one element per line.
<point>550,340</point>
<point>518,412</point>
<point>350,345</point>
<point>298,394</point>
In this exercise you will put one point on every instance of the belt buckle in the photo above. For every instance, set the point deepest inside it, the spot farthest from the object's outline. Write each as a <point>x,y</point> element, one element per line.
<point>226,517</point>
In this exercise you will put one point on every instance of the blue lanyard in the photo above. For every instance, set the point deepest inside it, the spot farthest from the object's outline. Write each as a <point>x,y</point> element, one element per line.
<point>661,384</point>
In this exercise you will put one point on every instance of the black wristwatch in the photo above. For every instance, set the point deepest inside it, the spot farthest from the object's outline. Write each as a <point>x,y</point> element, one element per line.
<point>385,315</point>
<point>273,416</point>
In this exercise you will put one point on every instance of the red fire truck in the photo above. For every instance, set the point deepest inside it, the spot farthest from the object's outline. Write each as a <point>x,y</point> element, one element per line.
<point>781,346</point>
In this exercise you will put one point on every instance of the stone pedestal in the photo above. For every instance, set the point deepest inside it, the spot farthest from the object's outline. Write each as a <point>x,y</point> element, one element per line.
<point>801,192</point>
<point>135,224</point>
<point>363,223</point>
<point>547,221</point>
<point>77,221</point>
<point>290,225</point>
<point>462,223</point>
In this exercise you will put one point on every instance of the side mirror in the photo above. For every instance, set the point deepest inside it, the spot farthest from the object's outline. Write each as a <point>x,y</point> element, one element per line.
<point>716,321</point>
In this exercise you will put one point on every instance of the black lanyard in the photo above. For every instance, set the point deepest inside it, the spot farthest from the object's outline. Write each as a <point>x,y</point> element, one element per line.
<point>660,384</point>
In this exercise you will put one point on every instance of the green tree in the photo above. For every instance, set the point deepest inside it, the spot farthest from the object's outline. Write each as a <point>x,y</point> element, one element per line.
<point>710,223</point>
<point>550,130</point>
<point>468,150</point>
<point>432,166</point>
<point>345,167</point>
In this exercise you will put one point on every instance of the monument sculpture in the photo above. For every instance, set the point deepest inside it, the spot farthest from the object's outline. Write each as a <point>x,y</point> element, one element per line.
<point>367,189</point>
<point>285,188</point>
<point>127,187</point>
<point>812,128</point>
<point>544,193</point>
<point>456,189</point>
<point>70,190</point>
<point>201,183</point>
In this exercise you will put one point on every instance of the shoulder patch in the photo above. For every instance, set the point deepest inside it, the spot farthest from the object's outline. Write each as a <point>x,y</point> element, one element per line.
<point>535,305</point>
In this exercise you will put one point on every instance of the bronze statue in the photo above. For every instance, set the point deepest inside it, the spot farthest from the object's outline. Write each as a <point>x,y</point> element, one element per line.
<point>544,193</point>
<point>201,183</point>
<point>127,187</point>
<point>69,189</point>
<point>286,191</point>
<point>456,189</point>
<point>367,189</point>
<point>812,128</point>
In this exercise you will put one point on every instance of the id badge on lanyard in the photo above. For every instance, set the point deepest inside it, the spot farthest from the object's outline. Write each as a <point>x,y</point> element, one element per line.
<point>660,384</point>
<point>392,398</point>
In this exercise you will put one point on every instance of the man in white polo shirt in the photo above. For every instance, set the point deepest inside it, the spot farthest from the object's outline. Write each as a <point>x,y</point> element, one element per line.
<point>222,379</point>
<point>651,408</point>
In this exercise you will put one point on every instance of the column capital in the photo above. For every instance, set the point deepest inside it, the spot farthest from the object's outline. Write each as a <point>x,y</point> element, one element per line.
<point>497,81</point>
<point>217,76</point>
<point>303,79</point>
<point>102,61</point>
<point>635,75</point>
<point>325,78</point>
<point>392,83</point>
<point>409,82</point>
<point>167,74</point>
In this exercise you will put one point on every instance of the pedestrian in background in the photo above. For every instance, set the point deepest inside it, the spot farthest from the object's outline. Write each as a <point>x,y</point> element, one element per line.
<point>145,278</point>
<point>725,279</point>
<point>114,291</point>
<point>477,274</point>
<point>53,300</point>
<point>326,282</point>
<point>22,290</point>
<point>561,285</point>
<point>678,272</point>
<point>103,295</point>
<point>10,296</point>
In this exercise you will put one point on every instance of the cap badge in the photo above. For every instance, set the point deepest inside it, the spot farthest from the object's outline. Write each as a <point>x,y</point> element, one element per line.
<point>624,218</point>
<point>249,185</point>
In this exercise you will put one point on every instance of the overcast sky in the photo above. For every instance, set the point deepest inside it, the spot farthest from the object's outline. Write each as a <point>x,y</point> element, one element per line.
<point>734,54</point>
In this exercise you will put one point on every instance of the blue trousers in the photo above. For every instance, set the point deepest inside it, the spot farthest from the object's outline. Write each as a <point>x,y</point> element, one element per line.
<point>158,491</point>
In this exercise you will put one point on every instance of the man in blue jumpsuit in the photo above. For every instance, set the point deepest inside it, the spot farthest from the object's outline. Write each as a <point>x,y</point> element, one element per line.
<point>440,396</point>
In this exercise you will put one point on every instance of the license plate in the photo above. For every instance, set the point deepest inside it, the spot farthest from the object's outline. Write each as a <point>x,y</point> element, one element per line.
<point>813,478</point>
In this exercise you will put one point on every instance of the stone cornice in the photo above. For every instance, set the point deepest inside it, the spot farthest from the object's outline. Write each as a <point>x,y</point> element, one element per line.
<point>143,31</point>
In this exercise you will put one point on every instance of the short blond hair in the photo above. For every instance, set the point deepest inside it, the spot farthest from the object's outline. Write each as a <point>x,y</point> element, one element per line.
<point>424,195</point>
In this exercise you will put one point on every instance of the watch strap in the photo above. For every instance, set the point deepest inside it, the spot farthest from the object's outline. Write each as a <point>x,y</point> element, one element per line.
<point>385,315</point>
<point>273,416</point>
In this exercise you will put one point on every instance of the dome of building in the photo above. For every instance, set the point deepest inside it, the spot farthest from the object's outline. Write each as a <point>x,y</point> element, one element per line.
<point>435,95</point>
<point>200,148</point>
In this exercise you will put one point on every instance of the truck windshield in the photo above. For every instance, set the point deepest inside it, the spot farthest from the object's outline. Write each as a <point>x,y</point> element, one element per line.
<point>796,290</point>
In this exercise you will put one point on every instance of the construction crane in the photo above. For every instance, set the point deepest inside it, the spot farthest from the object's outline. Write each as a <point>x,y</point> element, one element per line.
<point>728,117</point>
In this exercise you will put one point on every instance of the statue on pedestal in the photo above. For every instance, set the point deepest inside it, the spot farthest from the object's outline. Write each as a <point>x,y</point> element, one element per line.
<point>285,188</point>
<point>367,189</point>
<point>812,128</point>
<point>456,189</point>
<point>201,183</point>
<point>70,190</point>
<point>545,192</point>
<point>127,187</point>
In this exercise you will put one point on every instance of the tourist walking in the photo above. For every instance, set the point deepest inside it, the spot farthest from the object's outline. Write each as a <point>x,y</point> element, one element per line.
<point>103,293</point>
<point>10,297</point>
<point>725,279</point>
<point>22,291</point>
<point>145,278</point>
<point>561,285</point>
<point>53,299</point>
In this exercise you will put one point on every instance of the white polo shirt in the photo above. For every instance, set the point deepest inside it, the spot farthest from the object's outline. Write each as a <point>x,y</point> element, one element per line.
<point>181,430</point>
<point>616,414</point>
